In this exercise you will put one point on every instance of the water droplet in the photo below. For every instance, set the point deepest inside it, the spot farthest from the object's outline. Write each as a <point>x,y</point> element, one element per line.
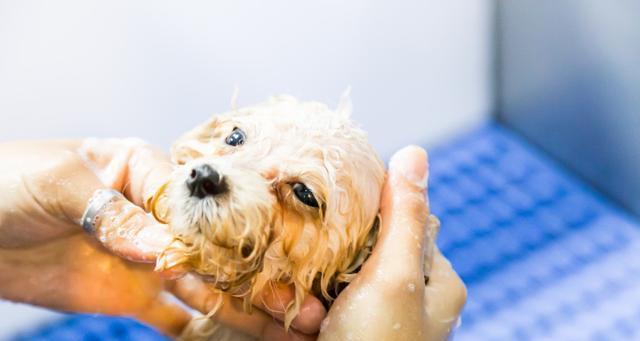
<point>397,326</point>
<point>411,287</point>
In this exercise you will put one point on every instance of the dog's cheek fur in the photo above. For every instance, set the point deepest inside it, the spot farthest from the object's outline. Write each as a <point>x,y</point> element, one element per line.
<point>310,254</point>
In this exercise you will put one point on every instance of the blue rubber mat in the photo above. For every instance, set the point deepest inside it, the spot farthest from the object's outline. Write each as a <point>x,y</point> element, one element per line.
<point>93,328</point>
<point>543,255</point>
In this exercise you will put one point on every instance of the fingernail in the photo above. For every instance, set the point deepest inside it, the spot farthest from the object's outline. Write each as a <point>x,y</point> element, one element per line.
<point>411,162</point>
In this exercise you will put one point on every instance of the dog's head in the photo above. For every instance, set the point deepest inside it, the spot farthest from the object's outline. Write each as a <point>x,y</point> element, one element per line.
<point>282,191</point>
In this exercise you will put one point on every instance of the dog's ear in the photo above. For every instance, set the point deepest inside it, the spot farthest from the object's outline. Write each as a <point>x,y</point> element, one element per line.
<point>193,144</point>
<point>367,248</point>
<point>341,280</point>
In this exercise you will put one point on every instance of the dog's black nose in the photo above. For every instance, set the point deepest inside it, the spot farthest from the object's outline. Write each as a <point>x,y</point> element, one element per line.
<point>204,181</point>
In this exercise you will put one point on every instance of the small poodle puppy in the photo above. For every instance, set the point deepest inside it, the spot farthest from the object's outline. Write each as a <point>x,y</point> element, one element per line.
<point>283,191</point>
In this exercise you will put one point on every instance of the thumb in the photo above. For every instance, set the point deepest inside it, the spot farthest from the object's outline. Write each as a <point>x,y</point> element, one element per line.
<point>404,212</point>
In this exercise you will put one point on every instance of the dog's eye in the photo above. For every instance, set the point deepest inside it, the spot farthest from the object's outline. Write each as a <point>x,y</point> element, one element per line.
<point>304,194</point>
<point>236,138</point>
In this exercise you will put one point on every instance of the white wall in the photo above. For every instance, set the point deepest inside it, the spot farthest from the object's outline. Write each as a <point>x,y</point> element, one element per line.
<point>419,70</point>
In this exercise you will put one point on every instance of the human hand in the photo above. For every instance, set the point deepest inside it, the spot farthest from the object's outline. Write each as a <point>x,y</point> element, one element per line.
<point>389,300</point>
<point>46,259</point>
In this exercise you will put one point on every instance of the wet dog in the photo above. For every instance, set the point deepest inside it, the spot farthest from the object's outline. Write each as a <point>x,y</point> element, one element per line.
<point>283,191</point>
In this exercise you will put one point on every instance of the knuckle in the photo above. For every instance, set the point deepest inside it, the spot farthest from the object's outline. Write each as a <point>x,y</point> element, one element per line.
<point>52,179</point>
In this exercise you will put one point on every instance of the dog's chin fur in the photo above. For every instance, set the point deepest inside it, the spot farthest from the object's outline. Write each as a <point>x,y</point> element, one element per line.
<point>258,232</point>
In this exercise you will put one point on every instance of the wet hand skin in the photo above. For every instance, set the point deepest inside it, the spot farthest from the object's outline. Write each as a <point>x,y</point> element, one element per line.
<point>47,260</point>
<point>388,300</point>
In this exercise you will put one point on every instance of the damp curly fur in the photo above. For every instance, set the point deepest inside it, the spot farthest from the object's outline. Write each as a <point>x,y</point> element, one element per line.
<point>258,233</point>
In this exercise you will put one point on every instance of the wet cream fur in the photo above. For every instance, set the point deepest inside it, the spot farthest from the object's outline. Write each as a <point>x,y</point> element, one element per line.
<point>259,231</point>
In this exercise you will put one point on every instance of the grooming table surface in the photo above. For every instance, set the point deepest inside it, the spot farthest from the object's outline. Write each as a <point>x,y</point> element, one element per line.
<point>542,254</point>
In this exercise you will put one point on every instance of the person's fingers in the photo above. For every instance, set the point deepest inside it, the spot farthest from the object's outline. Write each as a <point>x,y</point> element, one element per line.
<point>404,212</point>
<point>258,324</point>
<point>166,314</point>
<point>129,165</point>
<point>275,298</point>
<point>275,331</point>
<point>200,297</point>
<point>445,296</point>
<point>118,224</point>
<point>126,230</point>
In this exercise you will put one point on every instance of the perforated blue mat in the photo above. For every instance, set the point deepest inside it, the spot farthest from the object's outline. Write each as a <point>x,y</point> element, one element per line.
<point>93,328</point>
<point>543,255</point>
